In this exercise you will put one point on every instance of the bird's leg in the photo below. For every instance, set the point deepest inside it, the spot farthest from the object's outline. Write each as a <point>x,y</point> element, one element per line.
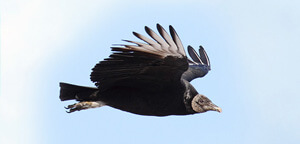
<point>84,105</point>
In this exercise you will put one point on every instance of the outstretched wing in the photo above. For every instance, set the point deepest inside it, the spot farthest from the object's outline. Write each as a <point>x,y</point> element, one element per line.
<point>199,66</point>
<point>161,59</point>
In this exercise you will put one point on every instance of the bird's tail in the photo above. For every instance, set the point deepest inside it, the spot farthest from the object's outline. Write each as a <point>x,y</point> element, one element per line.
<point>80,93</point>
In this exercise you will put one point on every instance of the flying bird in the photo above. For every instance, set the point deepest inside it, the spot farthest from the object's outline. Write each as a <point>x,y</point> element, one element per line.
<point>146,78</point>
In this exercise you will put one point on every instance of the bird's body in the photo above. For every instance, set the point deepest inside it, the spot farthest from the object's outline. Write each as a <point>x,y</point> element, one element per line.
<point>146,79</point>
<point>164,100</point>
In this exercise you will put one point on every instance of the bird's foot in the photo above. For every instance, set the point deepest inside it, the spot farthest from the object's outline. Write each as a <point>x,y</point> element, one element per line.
<point>84,105</point>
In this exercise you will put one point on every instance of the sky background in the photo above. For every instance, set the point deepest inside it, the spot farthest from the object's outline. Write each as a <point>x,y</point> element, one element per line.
<point>253,47</point>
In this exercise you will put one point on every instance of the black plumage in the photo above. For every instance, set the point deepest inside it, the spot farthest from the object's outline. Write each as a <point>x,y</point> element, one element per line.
<point>150,78</point>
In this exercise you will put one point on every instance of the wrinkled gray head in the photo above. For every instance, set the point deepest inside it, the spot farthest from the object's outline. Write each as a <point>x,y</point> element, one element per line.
<point>201,103</point>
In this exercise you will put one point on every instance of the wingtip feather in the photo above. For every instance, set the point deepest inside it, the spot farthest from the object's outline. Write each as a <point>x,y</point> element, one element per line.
<point>193,54</point>
<point>204,56</point>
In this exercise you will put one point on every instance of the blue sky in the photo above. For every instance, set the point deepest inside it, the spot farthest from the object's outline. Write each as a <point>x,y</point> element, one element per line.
<point>253,47</point>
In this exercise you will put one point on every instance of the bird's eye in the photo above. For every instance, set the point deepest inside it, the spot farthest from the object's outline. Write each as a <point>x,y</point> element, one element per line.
<point>201,101</point>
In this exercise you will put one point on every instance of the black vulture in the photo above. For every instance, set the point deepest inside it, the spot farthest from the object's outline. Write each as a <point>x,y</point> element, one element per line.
<point>151,78</point>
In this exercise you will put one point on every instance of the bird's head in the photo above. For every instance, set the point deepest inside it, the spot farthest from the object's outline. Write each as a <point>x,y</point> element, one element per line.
<point>201,103</point>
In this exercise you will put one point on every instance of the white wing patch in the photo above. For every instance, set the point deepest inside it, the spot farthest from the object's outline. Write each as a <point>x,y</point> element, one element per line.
<point>163,45</point>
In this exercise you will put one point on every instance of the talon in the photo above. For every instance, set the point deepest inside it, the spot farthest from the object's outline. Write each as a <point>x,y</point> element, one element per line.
<point>83,105</point>
<point>71,110</point>
<point>71,106</point>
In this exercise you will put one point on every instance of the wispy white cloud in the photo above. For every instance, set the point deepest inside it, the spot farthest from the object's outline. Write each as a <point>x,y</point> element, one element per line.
<point>31,32</point>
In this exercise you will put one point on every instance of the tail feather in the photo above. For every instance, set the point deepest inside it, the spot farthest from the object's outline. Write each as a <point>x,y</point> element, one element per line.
<point>80,93</point>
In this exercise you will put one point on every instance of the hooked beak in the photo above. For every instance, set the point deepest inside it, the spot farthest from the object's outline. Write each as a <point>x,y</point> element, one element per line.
<point>215,108</point>
<point>218,109</point>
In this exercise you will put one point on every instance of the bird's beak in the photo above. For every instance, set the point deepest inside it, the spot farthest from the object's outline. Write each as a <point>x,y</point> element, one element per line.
<point>215,108</point>
<point>218,109</point>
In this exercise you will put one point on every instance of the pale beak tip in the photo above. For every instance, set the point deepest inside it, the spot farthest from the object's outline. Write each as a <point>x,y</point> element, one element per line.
<point>218,109</point>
